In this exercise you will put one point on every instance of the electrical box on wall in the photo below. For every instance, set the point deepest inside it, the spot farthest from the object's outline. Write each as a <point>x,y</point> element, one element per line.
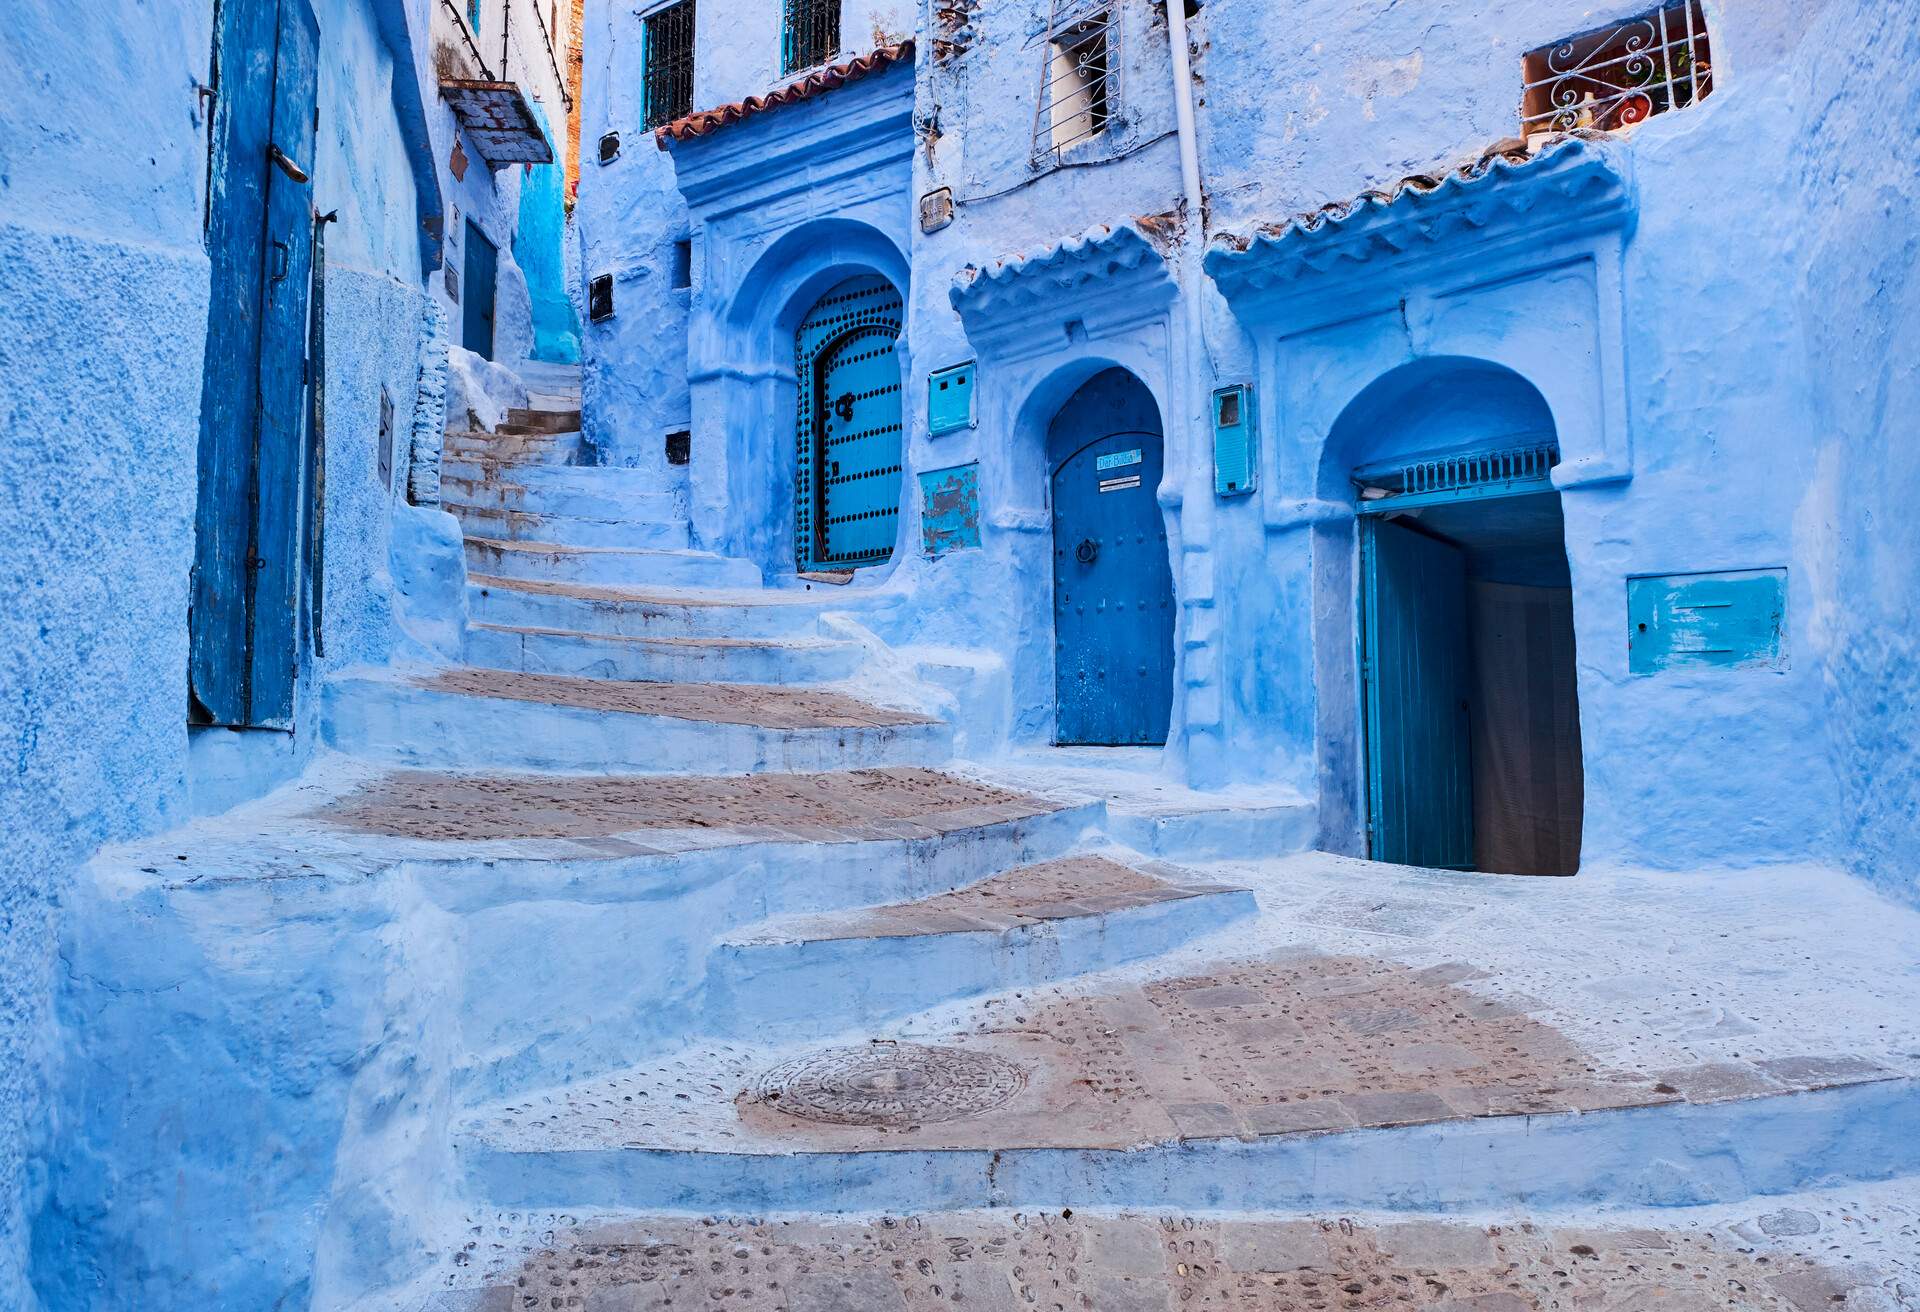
<point>950,399</point>
<point>1730,620</point>
<point>1235,450</point>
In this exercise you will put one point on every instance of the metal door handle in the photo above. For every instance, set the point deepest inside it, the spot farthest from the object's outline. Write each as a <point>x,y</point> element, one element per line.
<point>844,406</point>
<point>283,258</point>
<point>287,166</point>
<point>1087,552</point>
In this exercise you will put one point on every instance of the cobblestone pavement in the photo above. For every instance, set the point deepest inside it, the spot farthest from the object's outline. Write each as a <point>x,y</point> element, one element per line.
<point>712,703</point>
<point>1053,890</point>
<point>1859,1250</point>
<point>837,806</point>
<point>1292,1043</point>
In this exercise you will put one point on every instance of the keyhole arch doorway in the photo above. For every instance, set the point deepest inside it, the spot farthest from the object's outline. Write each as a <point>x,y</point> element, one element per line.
<point>848,429</point>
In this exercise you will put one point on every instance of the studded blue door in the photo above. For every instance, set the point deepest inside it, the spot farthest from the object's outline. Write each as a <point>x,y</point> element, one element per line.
<point>243,636</point>
<point>847,480</point>
<point>1112,581</point>
<point>1419,749</point>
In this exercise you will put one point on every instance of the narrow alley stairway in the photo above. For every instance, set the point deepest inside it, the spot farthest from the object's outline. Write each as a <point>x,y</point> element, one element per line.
<point>651,959</point>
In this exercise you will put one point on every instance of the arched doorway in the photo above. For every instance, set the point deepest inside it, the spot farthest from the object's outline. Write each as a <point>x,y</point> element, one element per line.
<point>848,430</point>
<point>1112,581</point>
<point>1469,704</point>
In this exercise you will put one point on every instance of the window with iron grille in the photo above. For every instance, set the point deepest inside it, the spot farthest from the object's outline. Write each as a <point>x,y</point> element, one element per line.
<point>1616,76</point>
<point>1079,74</point>
<point>812,34</point>
<point>668,63</point>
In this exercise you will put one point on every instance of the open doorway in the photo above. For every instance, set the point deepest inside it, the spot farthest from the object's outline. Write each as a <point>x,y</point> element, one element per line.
<point>1469,698</point>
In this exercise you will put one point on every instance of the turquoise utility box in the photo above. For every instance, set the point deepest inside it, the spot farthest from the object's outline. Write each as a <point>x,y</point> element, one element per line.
<point>1731,620</point>
<point>950,399</point>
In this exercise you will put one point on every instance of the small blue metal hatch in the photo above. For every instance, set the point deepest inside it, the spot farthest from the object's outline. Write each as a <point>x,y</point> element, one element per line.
<point>950,399</point>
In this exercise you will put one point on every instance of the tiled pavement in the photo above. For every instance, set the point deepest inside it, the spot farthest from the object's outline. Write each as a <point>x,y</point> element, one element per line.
<point>832,807</point>
<point>1858,1250</point>
<point>1289,1043</point>
<point>712,703</point>
<point>1067,889</point>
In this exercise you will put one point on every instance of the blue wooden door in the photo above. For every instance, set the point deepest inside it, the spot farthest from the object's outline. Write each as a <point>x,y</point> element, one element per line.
<point>1415,670</point>
<point>244,644</point>
<point>1112,580</point>
<point>847,480</point>
<point>477,291</point>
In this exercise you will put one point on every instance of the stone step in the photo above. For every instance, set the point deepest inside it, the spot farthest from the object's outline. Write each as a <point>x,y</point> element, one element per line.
<point>506,449</point>
<point>500,523</point>
<point>790,661</point>
<point>647,612</point>
<point>586,490</point>
<point>1295,1080</point>
<point>818,974</point>
<point>502,719</point>
<point>545,421</point>
<point>609,566</point>
<point>1804,1252</point>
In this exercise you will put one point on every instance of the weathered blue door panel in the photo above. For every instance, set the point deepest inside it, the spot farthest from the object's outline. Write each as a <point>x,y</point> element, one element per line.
<point>1419,764</point>
<point>283,363</point>
<point>477,291</point>
<point>848,475</point>
<point>1112,580</point>
<point>242,651</point>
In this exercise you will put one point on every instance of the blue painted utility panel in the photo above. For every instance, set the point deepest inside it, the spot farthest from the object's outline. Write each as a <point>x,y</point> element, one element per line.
<point>1112,580</point>
<point>847,478</point>
<point>950,509</point>
<point>1731,620</point>
<point>950,399</point>
<point>1416,675</point>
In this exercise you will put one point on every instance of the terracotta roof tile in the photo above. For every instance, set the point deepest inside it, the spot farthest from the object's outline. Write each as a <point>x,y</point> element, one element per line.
<point>701,122</point>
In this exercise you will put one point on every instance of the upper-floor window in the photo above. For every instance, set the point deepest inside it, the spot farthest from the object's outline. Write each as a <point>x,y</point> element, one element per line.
<point>1078,80</point>
<point>1616,76</point>
<point>811,34</point>
<point>667,58</point>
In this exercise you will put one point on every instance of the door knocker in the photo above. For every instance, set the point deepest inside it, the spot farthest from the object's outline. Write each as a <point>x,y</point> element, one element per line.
<point>1087,552</point>
<point>844,406</point>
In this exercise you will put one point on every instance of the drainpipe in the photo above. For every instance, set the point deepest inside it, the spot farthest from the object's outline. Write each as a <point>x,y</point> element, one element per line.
<point>1201,627</point>
<point>1183,113</point>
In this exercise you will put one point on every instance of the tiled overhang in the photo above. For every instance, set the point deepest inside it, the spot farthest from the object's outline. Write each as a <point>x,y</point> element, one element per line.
<point>702,122</point>
<point>1104,276</point>
<point>499,120</point>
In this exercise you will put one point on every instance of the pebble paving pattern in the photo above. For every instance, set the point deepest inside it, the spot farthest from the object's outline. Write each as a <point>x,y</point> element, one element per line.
<point>1063,1262</point>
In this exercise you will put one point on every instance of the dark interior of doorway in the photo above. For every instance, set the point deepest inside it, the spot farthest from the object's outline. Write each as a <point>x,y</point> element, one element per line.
<point>1527,784</point>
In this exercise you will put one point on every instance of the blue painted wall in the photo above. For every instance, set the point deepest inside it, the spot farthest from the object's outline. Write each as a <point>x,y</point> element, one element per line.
<point>103,294</point>
<point>538,241</point>
<point>1736,463</point>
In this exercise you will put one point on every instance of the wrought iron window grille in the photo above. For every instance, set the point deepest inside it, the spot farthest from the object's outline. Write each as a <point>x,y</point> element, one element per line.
<point>1079,79</point>
<point>1614,77</point>
<point>667,63</point>
<point>811,35</point>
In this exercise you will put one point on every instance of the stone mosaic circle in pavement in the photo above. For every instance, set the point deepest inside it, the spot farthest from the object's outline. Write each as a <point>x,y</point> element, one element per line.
<point>890,1084</point>
<point>1066,1263</point>
<point>829,807</point>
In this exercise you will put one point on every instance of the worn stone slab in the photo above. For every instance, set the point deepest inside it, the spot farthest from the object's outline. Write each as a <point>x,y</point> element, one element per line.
<point>1072,888</point>
<point>712,703</point>
<point>830,807</point>
<point>979,1262</point>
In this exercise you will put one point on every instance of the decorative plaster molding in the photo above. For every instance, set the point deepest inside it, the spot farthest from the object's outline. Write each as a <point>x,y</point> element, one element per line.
<point>1107,278</point>
<point>1577,190</point>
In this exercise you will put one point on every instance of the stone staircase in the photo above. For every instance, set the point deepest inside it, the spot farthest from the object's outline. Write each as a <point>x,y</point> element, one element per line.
<point>652,907</point>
